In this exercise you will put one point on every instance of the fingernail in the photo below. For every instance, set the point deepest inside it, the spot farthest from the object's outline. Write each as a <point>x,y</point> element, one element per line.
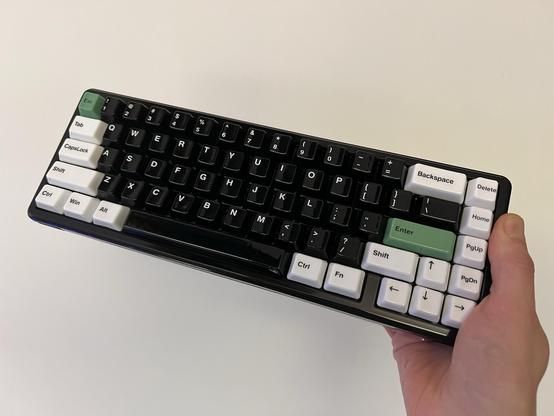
<point>514,227</point>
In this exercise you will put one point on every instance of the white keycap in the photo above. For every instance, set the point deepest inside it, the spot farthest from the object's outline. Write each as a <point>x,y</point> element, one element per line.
<point>75,178</point>
<point>456,310</point>
<point>481,193</point>
<point>52,198</point>
<point>394,295</point>
<point>433,273</point>
<point>470,251</point>
<point>87,129</point>
<point>440,183</point>
<point>390,261</point>
<point>344,280</point>
<point>426,304</point>
<point>476,222</point>
<point>465,282</point>
<point>80,153</point>
<point>111,215</point>
<point>80,207</point>
<point>308,270</point>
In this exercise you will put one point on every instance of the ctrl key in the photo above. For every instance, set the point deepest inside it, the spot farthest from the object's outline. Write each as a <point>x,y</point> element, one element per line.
<point>111,215</point>
<point>394,295</point>
<point>307,270</point>
<point>51,198</point>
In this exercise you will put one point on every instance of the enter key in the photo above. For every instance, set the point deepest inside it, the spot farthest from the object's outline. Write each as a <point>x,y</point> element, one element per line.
<point>421,239</point>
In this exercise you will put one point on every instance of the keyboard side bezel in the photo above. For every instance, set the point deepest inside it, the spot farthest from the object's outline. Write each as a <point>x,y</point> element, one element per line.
<point>364,308</point>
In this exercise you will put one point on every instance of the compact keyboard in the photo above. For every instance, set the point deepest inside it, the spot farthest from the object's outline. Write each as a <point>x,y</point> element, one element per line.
<point>394,239</point>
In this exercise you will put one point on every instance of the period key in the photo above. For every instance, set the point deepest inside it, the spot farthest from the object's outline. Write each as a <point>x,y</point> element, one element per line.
<point>421,239</point>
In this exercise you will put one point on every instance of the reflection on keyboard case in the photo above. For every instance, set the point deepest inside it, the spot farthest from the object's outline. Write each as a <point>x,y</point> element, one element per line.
<point>395,239</point>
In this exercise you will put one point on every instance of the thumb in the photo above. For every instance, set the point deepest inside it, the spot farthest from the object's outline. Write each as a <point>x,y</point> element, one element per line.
<point>512,268</point>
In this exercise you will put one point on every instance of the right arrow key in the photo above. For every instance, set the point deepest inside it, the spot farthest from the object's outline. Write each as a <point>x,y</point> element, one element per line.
<point>456,310</point>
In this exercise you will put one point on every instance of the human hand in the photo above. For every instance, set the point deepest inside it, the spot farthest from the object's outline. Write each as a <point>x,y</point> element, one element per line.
<point>500,353</point>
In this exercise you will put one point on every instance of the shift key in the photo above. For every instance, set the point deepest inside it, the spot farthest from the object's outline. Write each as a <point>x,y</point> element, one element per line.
<point>421,239</point>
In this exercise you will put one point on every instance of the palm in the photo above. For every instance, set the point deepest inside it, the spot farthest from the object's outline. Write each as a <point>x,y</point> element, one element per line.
<point>499,356</point>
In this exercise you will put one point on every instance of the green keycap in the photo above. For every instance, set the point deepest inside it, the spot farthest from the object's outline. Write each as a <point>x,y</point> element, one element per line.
<point>421,239</point>
<point>90,105</point>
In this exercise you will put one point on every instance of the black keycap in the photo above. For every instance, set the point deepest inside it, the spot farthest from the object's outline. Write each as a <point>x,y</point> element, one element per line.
<point>204,126</point>
<point>156,197</point>
<point>135,138</point>
<point>179,120</point>
<point>313,179</point>
<point>229,132</point>
<point>233,160</point>
<point>155,169</point>
<point>179,175</point>
<point>205,181</point>
<point>259,167</point>
<point>363,162</point>
<point>131,192</point>
<point>340,186</point>
<point>234,218</point>
<point>280,144</point>
<point>183,149</point>
<point>306,149</point>
<point>208,155</point>
<point>208,210</point>
<point>257,194</point>
<point>289,234</point>
<point>131,163</point>
<point>113,133</point>
<point>111,107</point>
<point>285,173</point>
<point>254,138</point>
<point>109,187</point>
<point>134,111</point>
<point>394,170</point>
<point>267,260</point>
<point>262,224</point>
<point>159,143</point>
<point>340,215</point>
<point>311,208</point>
<point>400,201</point>
<point>156,116</point>
<point>334,156</point>
<point>349,251</point>
<point>108,159</point>
<point>440,212</point>
<point>182,204</point>
<point>371,223</point>
<point>230,187</point>
<point>316,245</point>
<point>283,201</point>
<point>371,193</point>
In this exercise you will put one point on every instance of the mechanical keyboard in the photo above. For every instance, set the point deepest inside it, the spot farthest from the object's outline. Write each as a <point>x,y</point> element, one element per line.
<point>394,239</point>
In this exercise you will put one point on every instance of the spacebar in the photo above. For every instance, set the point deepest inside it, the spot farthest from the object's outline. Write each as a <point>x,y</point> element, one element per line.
<point>249,254</point>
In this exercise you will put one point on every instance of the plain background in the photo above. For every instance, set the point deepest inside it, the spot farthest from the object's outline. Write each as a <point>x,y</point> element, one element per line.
<point>91,329</point>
